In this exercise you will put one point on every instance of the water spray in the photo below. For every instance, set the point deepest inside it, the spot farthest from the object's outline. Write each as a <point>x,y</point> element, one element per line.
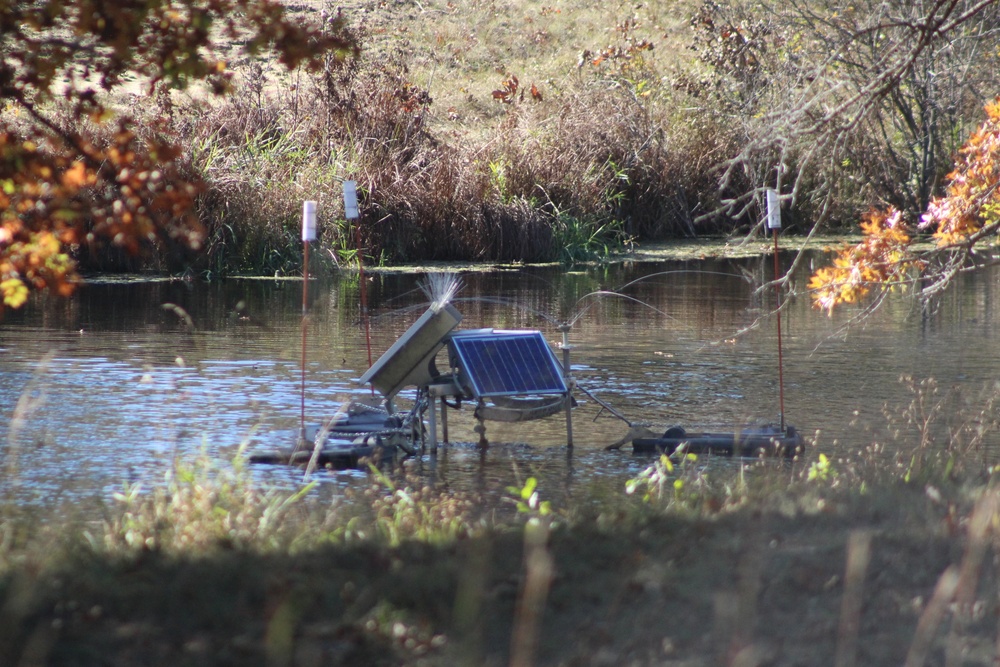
<point>440,289</point>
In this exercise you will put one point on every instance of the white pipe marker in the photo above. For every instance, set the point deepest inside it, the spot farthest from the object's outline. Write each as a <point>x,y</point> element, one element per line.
<point>773,209</point>
<point>351,200</point>
<point>309,221</point>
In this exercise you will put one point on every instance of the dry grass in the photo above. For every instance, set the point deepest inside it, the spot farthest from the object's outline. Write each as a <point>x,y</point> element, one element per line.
<point>577,160</point>
<point>514,131</point>
<point>510,131</point>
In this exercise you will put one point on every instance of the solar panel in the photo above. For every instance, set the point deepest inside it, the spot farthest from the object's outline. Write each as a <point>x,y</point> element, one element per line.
<point>506,363</point>
<point>410,359</point>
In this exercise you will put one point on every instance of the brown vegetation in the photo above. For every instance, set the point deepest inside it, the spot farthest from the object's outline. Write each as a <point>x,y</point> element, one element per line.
<point>545,140</point>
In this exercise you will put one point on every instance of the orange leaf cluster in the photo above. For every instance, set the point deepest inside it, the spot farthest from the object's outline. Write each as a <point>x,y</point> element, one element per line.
<point>970,207</point>
<point>36,186</point>
<point>35,260</point>
<point>629,47</point>
<point>972,198</point>
<point>882,257</point>
<point>622,53</point>
<point>507,91</point>
<point>412,98</point>
<point>60,190</point>
<point>54,197</point>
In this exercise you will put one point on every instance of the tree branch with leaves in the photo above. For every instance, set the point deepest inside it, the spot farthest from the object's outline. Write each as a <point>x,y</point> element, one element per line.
<point>865,103</point>
<point>75,169</point>
<point>963,223</point>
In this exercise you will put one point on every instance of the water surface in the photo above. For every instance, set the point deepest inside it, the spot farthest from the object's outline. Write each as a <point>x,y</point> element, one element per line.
<point>117,381</point>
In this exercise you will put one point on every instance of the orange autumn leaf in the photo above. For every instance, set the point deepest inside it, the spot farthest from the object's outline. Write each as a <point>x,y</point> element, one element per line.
<point>60,188</point>
<point>970,205</point>
<point>77,176</point>
<point>971,198</point>
<point>882,257</point>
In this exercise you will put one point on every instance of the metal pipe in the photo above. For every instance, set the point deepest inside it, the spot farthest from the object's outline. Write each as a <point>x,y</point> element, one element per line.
<point>781,379</point>
<point>364,293</point>
<point>444,421</point>
<point>432,422</point>
<point>305,308</point>
<point>566,347</point>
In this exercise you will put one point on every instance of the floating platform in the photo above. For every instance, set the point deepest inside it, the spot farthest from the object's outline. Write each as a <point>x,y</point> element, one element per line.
<point>336,454</point>
<point>752,442</point>
<point>357,435</point>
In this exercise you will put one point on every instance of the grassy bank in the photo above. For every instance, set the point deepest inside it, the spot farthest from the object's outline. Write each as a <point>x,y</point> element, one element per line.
<point>510,131</point>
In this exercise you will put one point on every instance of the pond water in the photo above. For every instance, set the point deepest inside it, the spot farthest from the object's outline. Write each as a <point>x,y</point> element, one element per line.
<point>109,386</point>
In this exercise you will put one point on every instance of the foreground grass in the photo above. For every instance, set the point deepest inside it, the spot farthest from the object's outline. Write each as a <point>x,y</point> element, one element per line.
<point>867,557</point>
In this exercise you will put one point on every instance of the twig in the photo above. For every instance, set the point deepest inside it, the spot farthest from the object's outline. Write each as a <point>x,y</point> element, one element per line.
<point>858,558</point>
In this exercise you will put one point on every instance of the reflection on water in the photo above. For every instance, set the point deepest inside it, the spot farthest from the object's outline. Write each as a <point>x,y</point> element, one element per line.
<point>113,385</point>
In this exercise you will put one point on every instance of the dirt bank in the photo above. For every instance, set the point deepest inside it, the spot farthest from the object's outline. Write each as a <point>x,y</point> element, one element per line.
<point>768,586</point>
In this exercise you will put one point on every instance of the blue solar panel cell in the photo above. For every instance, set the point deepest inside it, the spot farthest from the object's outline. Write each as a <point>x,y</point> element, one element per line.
<point>507,363</point>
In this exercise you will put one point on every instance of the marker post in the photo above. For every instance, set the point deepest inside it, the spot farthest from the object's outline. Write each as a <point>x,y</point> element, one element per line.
<point>351,212</point>
<point>308,234</point>
<point>774,224</point>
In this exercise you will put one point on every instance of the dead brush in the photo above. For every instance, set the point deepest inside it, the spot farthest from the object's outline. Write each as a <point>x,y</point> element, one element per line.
<point>249,150</point>
<point>941,429</point>
<point>578,180</point>
<point>610,155</point>
<point>376,112</point>
<point>425,199</point>
<point>941,434</point>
